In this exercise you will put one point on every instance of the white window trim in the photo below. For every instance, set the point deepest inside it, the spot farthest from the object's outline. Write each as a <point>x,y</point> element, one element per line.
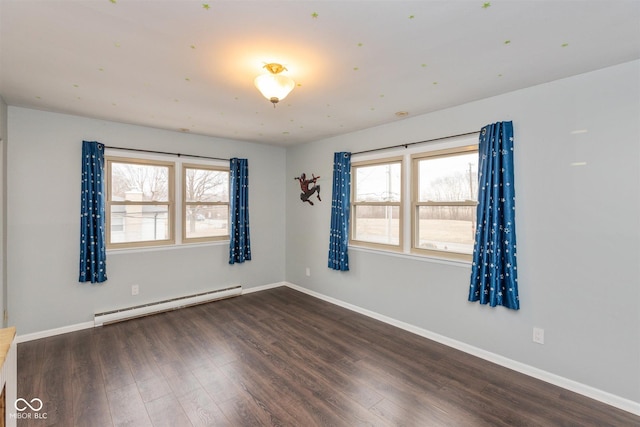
<point>406,154</point>
<point>178,162</point>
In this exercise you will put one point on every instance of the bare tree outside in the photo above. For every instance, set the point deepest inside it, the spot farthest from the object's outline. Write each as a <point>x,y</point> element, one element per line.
<point>447,198</point>
<point>452,187</point>
<point>207,198</point>
<point>445,210</point>
<point>142,197</point>
<point>139,202</point>
<point>206,185</point>
<point>150,181</point>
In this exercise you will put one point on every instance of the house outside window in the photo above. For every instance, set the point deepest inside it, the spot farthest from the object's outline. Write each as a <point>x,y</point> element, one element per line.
<point>140,202</point>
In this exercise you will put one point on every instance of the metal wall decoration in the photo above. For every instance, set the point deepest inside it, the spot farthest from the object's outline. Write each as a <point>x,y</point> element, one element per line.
<point>308,187</point>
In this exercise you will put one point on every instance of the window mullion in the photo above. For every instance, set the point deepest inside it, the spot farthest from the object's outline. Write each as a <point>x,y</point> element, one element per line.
<point>457,203</point>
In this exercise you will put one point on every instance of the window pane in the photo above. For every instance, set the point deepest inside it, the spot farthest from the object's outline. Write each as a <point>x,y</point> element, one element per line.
<point>207,221</point>
<point>139,223</point>
<point>447,179</point>
<point>139,182</point>
<point>446,228</point>
<point>378,183</point>
<point>377,224</point>
<point>205,185</point>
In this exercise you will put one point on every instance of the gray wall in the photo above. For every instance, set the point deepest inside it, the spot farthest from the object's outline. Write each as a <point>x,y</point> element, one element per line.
<point>43,223</point>
<point>578,232</point>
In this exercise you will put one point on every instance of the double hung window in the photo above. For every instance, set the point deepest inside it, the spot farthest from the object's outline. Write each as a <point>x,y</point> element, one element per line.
<point>153,202</point>
<point>205,203</point>
<point>445,186</point>
<point>377,191</point>
<point>437,220</point>
<point>140,202</point>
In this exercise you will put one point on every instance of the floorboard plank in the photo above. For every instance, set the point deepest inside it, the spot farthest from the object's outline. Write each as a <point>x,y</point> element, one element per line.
<point>166,411</point>
<point>127,407</point>
<point>90,403</point>
<point>201,409</point>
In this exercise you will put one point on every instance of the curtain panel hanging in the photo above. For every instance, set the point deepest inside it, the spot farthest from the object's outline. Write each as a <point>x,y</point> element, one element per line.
<point>494,278</point>
<point>239,243</point>
<point>93,252</point>
<point>340,207</point>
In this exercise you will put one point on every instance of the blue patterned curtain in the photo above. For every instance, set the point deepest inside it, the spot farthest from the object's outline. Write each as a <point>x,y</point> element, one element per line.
<point>93,253</point>
<point>239,244</point>
<point>494,278</point>
<point>340,206</point>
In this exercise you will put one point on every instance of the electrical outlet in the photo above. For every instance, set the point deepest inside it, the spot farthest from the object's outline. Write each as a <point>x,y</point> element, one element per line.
<point>308,272</point>
<point>538,335</point>
<point>135,289</point>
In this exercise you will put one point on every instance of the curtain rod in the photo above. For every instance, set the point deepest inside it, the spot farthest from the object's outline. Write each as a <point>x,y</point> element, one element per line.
<point>164,152</point>
<point>414,143</point>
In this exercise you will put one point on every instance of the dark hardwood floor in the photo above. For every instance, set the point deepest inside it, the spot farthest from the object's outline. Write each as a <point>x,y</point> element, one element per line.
<point>282,358</point>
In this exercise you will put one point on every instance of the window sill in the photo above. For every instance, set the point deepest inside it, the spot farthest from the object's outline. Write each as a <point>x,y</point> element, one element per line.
<point>423,258</point>
<point>167,247</point>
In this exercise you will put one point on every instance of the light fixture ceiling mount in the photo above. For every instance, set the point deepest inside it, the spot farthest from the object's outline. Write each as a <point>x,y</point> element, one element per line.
<point>274,86</point>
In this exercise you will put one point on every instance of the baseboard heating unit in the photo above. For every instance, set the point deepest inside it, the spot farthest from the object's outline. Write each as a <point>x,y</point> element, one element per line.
<point>122,314</point>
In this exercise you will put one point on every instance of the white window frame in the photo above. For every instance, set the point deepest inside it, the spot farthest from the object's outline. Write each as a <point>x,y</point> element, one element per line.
<point>178,211</point>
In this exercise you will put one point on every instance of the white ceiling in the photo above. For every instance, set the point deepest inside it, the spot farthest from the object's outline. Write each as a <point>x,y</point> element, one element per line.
<point>189,65</point>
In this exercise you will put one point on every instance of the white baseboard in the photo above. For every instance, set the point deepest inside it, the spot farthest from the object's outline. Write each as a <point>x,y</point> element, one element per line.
<point>263,287</point>
<point>87,325</point>
<point>585,390</point>
<point>52,332</point>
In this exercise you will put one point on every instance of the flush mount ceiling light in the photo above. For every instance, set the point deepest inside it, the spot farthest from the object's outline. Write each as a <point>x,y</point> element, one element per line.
<point>273,85</point>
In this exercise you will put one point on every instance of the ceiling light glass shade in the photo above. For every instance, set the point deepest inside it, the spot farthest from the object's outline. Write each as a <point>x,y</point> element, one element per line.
<point>274,87</point>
